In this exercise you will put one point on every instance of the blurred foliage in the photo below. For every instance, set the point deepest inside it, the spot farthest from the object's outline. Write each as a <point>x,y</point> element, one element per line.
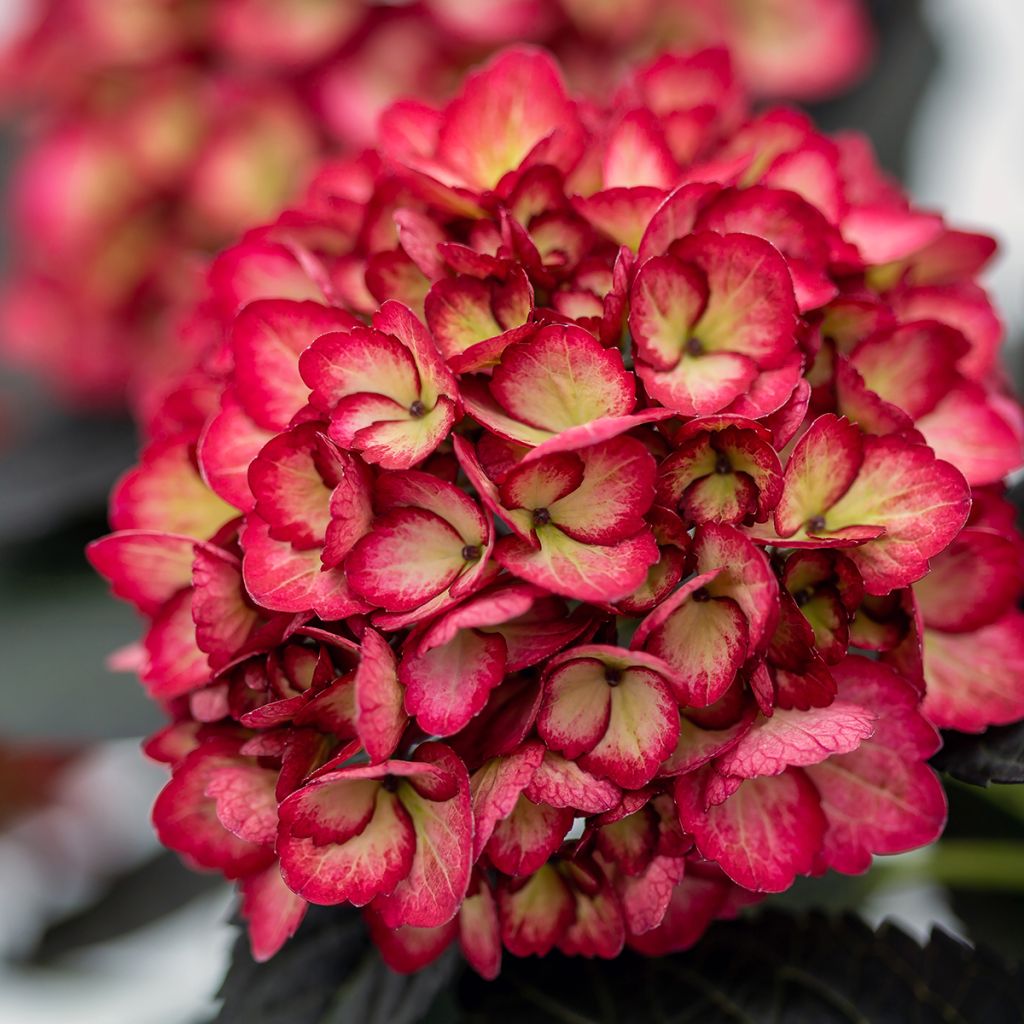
<point>58,625</point>
<point>330,973</point>
<point>996,755</point>
<point>28,776</point>
<point>769,968</point>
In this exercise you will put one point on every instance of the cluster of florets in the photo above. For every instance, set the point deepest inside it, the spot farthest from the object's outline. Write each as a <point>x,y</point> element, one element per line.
<point>570,537</point>
<point>165,128</point>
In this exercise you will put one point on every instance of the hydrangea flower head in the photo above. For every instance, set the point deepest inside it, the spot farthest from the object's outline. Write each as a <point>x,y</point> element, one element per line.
<point>567,537</point>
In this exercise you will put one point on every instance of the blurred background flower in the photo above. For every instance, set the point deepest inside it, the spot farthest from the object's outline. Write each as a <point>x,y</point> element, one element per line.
<point>155,131</point>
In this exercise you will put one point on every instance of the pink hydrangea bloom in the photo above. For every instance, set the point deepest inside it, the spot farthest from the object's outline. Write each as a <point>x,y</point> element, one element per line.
<point>162,129</point>
<point>567,536</point>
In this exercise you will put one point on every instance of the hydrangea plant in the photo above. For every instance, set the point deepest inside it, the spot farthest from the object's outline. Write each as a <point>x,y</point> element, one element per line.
<point>162,129</point>
<point>581,520</point>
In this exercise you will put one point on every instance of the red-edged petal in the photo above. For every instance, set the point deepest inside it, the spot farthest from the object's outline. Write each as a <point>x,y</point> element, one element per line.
<point>586,572</point>
<point>360,361</point>
<point>174,664</point>
<point>495,789</point>
<point>881,797</point>
<point>267,338</point>
<point>562,377</point>
<point>522,842</point>
<point>798,738</point>
<point>355,868</point>
<point>745,577</point>
<point>976,432</point>
<point>919,501</point>
<point>750,309</point>
<point>379,716</point>
<point>480,930</point>
<point>667,298</point>
<point>144,567</point>
<point>449,684</point>
<point>972,583</point>
<point>690,907</point>
<point>559,782</point>
<point>407,949</point>
<point>974,680</point>
<point>614,494</point>
<point>165,493</point>
<point>643,726</point>
<point>576,708</point>
<point>227,446</point>
<point>246,805</point>
<point>186,818</point>
<point>535,912</point>
<point>279,577</point>
<point>636,154</point>
<point>763,835</point>
<point>224,618</point>
<point>408,557</point>
<point>287,479</point>
<point>913,365</point>
<point>824,464</point>
<point>272,912</point>
<point>503,111</point>
<point>432,891</point>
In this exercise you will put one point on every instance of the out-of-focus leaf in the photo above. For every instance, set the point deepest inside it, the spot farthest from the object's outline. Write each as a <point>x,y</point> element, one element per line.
<point>147,892</point>
<point>57,468</point>
<point>28,773</point>
<point>329,973</point>
<point>990,916</point>
<point>774,968</point>
<point>996,755</point>
<point>58,625</point>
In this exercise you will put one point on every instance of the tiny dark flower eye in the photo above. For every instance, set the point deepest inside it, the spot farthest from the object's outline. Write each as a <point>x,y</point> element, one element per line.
<point>417,409</point>
<point>541,517</point>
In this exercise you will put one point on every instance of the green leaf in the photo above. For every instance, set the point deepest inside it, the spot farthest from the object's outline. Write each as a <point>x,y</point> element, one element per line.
<point>996,755</point>
<point>329,973</point>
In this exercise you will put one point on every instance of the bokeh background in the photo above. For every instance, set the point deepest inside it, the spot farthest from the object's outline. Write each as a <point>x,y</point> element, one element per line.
<point>97,925</point>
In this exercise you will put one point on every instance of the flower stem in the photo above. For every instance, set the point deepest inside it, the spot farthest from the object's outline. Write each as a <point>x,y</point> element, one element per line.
<point>964,863</point>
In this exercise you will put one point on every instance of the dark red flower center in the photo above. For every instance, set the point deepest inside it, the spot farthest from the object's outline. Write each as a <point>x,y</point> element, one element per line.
<point>541,517</point>
<point>417,409</point>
